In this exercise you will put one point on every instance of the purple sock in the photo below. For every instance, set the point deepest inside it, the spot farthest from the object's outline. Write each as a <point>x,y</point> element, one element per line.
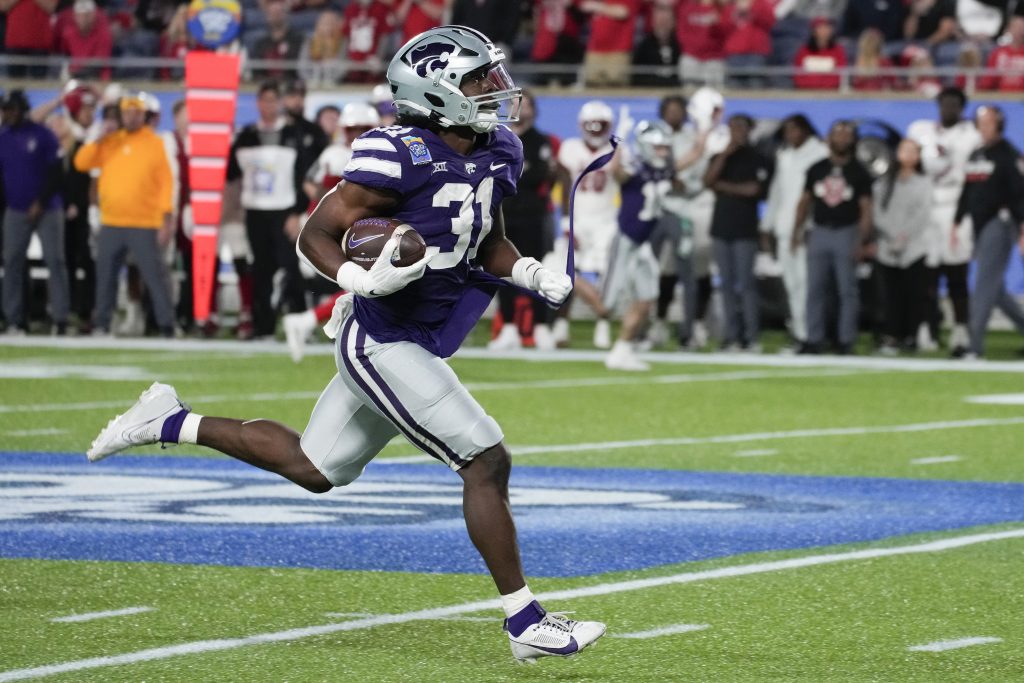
<point>525,618</point>
<point>172,427</point>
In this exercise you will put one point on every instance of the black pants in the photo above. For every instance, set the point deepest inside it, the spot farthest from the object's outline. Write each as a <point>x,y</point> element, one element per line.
<point>904,299</point>
<point>272,251</point>
<point>78,256</point>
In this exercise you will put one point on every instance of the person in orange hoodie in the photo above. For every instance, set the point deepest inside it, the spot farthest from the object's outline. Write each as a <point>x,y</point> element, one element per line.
<point>135,186</point>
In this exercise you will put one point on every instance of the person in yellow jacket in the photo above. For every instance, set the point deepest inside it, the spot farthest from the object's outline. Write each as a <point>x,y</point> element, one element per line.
<point>134,190</point>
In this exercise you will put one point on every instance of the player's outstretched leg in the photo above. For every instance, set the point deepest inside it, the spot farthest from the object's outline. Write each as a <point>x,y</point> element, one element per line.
<point>159,416</point>
<point>532,632</point>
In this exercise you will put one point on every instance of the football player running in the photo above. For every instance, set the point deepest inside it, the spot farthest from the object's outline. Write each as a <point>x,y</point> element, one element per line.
<point>444,169</point>
<point>645,177</point>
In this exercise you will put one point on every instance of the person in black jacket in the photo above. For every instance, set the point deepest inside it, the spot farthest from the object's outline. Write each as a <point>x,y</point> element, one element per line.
<point>267,157</point>
<point>993,196</point>
<point>659,48</point>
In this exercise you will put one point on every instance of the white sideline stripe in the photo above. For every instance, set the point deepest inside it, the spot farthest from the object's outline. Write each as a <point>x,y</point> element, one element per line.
<point>493,604</point>
<point>943,645</point>
<point>46,431</point>
<point>756,452</point>
<point>349,615</point>
<point>997,399</point>
<point>480,386</point>
<point>91,616</point>
<point>663,631</point>
<point>936,460</point>
<point>561,356</point>
<point>518,451</point>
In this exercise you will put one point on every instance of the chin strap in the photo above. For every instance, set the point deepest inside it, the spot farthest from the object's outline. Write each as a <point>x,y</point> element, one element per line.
<point>600,162</point>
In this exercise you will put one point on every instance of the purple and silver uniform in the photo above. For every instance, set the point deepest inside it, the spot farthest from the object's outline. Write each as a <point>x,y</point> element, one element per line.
<point>451,200</point>
<point>641,201</point>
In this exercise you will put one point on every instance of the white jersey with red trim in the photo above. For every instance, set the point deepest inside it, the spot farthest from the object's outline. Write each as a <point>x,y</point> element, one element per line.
<point>596,204</point>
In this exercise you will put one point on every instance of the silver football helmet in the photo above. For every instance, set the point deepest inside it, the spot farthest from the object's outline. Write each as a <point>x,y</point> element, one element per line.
<point>653,140</point>
<point>427,73</point>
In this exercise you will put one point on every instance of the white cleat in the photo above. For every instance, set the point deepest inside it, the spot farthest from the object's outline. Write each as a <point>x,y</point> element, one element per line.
<point>603,334</point>
<point>658,334</point>
<point>560,332</point>
<point>622,357</point>
<point>507,339</point>
<point>924,339</point>
<point>140,425</point>
<point>554,636</point>
<point>543,338</point>
<point>297,328</point>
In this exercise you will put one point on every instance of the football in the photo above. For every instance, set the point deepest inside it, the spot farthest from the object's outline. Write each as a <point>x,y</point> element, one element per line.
<point>363,242</point>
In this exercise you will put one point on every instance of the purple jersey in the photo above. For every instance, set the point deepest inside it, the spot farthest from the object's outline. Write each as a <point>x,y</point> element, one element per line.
<point>451,200</point>
<point>641,201</point>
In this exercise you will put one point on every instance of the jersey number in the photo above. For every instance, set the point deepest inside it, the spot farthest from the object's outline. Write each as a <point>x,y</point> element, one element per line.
<point>464,222</point>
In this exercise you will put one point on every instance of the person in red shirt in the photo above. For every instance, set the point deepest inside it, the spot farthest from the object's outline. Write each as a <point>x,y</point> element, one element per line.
<point>610,47</point>
<point>820,58</point>
<point>417,16</point>
<point>1008,60</point>
<point>88,36</point>
<point>749,42</point>
<point>28,33</point>
<point>365,23</point>
<point>702,28</point>
<point>556,37</point>
<point>870,59</point>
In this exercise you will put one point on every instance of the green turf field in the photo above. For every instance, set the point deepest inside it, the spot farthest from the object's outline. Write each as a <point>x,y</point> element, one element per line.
<point>831,613</point>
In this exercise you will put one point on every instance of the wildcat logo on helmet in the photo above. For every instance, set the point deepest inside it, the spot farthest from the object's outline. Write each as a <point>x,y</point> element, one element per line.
<point>429,58</point>
<point>417,150</point>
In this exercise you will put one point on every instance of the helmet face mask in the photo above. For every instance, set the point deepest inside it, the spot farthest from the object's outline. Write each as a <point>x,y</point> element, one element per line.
<point>654,143</point>
<point>595,120</point>
<point>429,74</point>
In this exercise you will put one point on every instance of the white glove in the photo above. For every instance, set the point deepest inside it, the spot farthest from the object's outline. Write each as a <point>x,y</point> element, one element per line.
<point>551,284</point>
<point>625,125</point>
<point>383,277</point>
<point>93,217</point>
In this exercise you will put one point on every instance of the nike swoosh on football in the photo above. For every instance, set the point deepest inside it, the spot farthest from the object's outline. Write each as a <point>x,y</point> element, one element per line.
<point>355,243</point>
<point>495,167</point>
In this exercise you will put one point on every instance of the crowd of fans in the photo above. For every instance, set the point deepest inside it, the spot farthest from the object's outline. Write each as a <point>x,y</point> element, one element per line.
<point>90,175</point>
<point>643,42</point>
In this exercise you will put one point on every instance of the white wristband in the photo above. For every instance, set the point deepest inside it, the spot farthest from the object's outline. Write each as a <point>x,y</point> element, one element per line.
<point>348,277</point>
<point>524,272</point>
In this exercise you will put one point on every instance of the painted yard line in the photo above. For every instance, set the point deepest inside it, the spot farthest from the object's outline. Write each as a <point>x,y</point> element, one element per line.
<point>196,647</point>
<point>997,399</point>
<point>46,431</point>
<point>936,460</point>
<point>279,348</point>
<point>943,645</point>
<point>92,616</point>
<point>519,451</point>
<point>350,615</point>
<point>481,386</point>
<point>756,452</point>
<point>663,631</point>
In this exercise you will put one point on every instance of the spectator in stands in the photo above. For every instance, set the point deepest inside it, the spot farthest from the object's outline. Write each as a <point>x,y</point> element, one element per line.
<point>968,63</point>
<point>30,172</point>
<point>749,43</point>
<point>802,148</point>
<point>701,30</point>
<point>921,78</point>
<point>610,46</point>
<point>264,157</point>
<point>739,177</point>
<point>529,224</point>
<point>1007,60</point>
<point>493,18</point>
<point>322,50</point>
<point>88,36</point>
<point>365,25</point>
<point>793,24</point>
<point>281,43</point>
<point>175,42</point>
<point>902,201</point>
<point>820,58</point>
<point>993,196</point>
<point>870,60</point>
<point>29,33</point>
<point>416,16</point>
<point>885,16</point>
<point>659,49</point>
<point>557,28</point>
<point>327,118</point>
<point>932,23</point>
<point>837,198</point>
<point>135,205</point>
